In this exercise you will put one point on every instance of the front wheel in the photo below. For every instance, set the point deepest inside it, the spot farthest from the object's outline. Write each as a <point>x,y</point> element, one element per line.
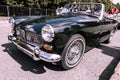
<point>73,51</point>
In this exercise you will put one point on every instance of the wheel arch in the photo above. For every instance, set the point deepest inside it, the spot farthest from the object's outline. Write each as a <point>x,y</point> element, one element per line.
<point>83,34</point>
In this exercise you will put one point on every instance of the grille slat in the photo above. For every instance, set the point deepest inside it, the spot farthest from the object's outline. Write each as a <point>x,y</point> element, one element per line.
<point>30,37</point>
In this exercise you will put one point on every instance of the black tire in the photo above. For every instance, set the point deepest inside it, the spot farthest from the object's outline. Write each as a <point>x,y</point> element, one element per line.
<point>73,52</point>
<point>110,36</point>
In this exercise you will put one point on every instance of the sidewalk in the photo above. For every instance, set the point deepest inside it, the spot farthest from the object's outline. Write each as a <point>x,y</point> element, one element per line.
<point>116,74</point>
<point>4,18</point>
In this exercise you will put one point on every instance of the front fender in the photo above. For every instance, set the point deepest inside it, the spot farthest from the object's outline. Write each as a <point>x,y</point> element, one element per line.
<point>61,38</point>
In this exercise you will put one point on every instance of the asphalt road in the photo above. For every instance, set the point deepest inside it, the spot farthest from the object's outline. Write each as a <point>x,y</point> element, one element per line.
<point>97,64</point>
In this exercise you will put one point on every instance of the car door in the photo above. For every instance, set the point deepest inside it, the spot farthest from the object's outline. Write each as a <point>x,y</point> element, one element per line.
<point>107,25</point>
<point>92,30</point>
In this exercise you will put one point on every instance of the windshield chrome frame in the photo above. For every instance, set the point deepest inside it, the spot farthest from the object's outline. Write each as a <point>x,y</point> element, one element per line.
<point>101,13</point>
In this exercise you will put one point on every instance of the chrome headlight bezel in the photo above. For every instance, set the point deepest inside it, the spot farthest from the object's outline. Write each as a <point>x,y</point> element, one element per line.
<point>47,33</point>
<point>12,22</point>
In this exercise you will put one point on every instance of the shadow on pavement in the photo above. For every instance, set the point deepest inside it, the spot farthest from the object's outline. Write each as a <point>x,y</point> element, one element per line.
<point>27,63</point>
<point>39,67</point>
<point>113,52</point>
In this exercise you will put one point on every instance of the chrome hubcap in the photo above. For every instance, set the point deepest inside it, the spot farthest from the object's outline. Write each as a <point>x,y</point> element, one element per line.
<point>74,52</point>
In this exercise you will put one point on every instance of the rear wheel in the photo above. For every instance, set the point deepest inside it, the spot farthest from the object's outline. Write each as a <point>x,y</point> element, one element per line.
<point>73,52</point>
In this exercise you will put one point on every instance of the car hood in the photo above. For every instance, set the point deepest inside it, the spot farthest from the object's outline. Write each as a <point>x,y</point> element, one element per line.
<point>19,19</point>
<point>57,22</point>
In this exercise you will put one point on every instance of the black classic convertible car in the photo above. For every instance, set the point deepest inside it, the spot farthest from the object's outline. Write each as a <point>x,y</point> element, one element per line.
<point>63,38</point>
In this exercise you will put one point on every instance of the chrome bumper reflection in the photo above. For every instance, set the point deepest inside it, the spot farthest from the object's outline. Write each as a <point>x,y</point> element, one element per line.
<point>31,51</point>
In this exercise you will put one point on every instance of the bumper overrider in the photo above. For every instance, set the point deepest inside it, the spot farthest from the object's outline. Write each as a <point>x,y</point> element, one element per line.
<point>34,51</point>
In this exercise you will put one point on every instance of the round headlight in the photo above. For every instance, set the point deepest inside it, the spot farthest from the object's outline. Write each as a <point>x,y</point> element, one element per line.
<point>47,33</point>
<point>12,22</point>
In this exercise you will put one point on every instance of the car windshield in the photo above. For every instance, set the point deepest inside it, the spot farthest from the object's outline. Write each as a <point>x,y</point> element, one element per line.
<point>87,8</point>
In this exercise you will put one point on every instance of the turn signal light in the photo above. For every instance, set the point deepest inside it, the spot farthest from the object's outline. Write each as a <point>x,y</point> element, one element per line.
<point>47,47</point>
<point>12,30</point>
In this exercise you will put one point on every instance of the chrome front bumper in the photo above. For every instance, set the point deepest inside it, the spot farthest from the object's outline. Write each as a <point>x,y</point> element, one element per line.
<point>32,51</point>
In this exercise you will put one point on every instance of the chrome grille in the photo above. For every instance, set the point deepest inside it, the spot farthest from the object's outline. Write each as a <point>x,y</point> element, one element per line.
<point>22,34</point>
<point>30,37</point>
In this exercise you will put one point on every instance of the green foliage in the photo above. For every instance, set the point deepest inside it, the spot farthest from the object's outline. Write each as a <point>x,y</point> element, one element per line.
<point>14,3</point>
<point>33,3</point>
<point>118,5</point>
<point>52,4</point>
